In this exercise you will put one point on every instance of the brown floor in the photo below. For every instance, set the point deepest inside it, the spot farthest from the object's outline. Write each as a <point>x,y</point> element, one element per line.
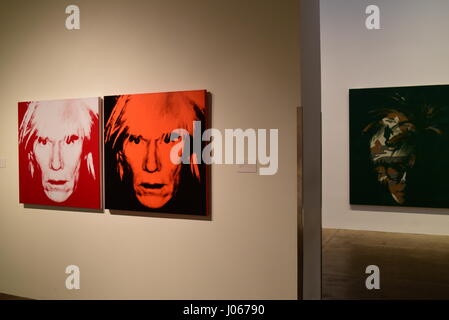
<point>411,266</point>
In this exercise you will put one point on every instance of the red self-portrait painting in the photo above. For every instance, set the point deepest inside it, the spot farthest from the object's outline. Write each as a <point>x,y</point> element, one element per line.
<point>153,149</point>
<point>59,153</point>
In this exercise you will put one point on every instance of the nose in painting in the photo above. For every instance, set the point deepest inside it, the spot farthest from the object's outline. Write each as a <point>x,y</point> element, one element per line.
<point>56,162</point>
<point>151,160</point>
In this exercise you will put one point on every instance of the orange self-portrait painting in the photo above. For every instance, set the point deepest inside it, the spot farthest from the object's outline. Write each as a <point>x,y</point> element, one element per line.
<point>151,163</point>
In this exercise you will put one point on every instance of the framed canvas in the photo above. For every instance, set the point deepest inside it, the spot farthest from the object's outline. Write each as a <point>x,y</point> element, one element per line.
<point>153,153</point>
<point>59,153</point>
<point>399,146</point>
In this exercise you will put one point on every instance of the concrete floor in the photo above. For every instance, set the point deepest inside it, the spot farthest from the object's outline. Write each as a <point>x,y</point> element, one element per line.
<point>411,266</point>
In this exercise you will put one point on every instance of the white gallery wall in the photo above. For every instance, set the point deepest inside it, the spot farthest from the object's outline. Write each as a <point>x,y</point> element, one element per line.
<point>246,53</point>
<point>411,48</point>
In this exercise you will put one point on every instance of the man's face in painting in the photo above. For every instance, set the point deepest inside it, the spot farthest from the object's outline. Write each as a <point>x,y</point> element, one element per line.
<point>57,149</point>
<point>392,156</point>
<point>147,147</point>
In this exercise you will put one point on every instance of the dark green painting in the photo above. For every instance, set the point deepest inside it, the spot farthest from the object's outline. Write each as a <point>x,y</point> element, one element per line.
<point>399,146</point>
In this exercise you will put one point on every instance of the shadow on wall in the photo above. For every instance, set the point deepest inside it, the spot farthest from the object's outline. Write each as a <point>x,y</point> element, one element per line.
<point>409,210</point>
<point>43,207</point>
<point>161,215</point>
<point>122,212</point>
